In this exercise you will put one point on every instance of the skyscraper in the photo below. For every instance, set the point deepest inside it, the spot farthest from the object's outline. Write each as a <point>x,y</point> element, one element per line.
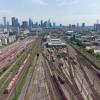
<point>54,24</point>
<point>8,27</point>
<point>97,26</point>
<point>25,24</point>
<point>4,21</point>
<point>16,23</point>
<point>49,24</point>
<point>30,24</point>
<point>45,24</point>
<point>78,25</point>
<point>13,21</point>
<point>42,24</point>
<point>83,25</point>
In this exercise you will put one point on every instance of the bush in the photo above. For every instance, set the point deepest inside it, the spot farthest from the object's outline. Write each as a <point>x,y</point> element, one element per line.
<point>97,56</point>
<point>91,51</point>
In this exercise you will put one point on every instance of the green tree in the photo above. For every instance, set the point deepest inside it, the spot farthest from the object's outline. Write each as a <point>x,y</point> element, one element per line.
<point>91,51</point>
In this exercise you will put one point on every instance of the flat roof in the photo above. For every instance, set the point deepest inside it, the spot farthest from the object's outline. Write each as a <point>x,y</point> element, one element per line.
<point>55,41</point>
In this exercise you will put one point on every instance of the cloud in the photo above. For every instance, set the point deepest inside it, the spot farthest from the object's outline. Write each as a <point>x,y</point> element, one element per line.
<point>40,2</point>
<point>67,2</point>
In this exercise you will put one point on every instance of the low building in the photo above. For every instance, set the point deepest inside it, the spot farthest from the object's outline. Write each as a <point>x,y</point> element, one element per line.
<point>0,42</point>
<point>97,50</point>
<point>55,42</point>
<point>3,39</point>
<point>12,38</point>
<point>26,32</point>
<point>78,37</point>
<point>89,45</point>
<point>6,38</point>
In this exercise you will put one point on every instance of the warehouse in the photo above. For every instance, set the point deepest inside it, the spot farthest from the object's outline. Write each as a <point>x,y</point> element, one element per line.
<point>55,42</point>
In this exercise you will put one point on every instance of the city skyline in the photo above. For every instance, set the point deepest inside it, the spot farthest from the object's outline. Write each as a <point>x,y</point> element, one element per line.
<point>4,21</point>
<point>60,11</point>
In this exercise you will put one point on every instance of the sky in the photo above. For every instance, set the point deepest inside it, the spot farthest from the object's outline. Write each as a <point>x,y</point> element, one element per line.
<point>60,11</point>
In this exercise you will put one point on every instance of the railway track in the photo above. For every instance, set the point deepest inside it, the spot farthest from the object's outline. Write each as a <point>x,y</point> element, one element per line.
<point>51,66</point>
<point>59,71</point>
<point>73,86</point>
<point>94,92</point>
<point>27,95</point>
<point>53,88</point>
<point>10,95</point>
<point>82,64</point>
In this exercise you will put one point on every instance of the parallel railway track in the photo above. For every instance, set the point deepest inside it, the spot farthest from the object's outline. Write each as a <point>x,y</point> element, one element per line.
<point>82,64</point>
<point>94,92</point>
<point>73,86</point>
<point>53,90</point>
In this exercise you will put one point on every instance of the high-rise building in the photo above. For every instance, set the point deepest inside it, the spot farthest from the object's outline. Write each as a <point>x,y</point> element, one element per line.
<point>77,25</point>
<point>61,25</point>
<point>8,26</point>
<point>45,24</point>
<point>97,26</point>
<point>17,23</point>
<point>42,24</point>
<point>83,25</point>
<point>25,24</point>
<point>36,24</point>
<point>13,21</point>
<point>30,24</point>
<point>54,24</point>
<point>49,24</point>
<point>73,26</point>
<point>4,21</point>
<point>70,26</point>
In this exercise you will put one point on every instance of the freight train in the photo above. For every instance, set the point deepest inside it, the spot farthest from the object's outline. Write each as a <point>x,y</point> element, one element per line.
<point>59,80</point>
<point>10,58</point>
<point>7,52</point>
<point>17,77</point>
<point>98,74</point>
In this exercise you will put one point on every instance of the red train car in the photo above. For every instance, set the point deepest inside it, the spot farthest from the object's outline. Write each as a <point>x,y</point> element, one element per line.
<point>61,79</point>
<point>98,74</point>
<point>9,59</point>
<point>74,62</point>
<point>18,75</point>
<point>71,58</point>
<point>63,96</point>
<point>5,53</point>
<point>60,64</point>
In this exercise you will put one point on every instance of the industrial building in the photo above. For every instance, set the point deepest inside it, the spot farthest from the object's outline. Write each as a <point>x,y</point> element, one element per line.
<point>55,42</point>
